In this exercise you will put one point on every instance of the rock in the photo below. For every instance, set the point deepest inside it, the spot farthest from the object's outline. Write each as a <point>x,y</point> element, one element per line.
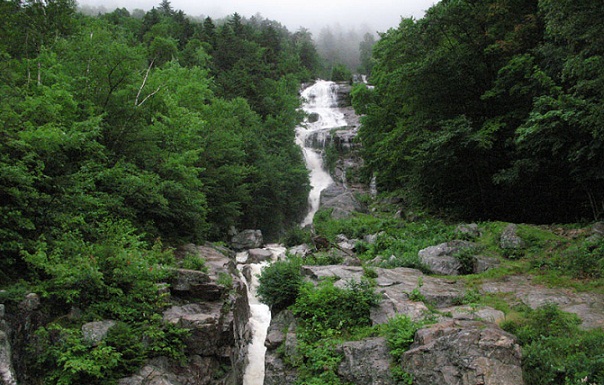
<point>345,243</point>
<point>483,263</point>
<point>7,372</point>
<point>30,303</point>
<point>276,333</point>
<point>464,353</point>
<point>467,312</point>
<point>205,322</point>
<point>277,373</point>
<point>95,332</point>
<point>247,239</point>
<point>259,255</point>
<point>341,200</point>
<point>468,231</point>
<point>510,239</point>
<point>155,373</point>
<point>313,117</point>
<point>366,362</point>
<point>195,284</point>
<point>300,250</point>
<point>588,306</point>
<point>394,285</point>
<point>441,259</point>
<point>372,238</point>
<point>598,228</point>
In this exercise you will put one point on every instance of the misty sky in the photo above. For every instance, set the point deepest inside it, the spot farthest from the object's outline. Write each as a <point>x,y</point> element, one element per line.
<point>379,15</point>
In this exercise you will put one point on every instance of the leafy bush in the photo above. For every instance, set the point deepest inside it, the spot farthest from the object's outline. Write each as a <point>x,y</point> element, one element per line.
<point>194,262</point>
<point>328,309</point>
<point>280,283</point>
<point>556,350</point>
<point>399,333</point>
<point>295,236</point>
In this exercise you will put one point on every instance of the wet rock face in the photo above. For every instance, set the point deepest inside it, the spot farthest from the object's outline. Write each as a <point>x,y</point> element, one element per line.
<point>464,353</point>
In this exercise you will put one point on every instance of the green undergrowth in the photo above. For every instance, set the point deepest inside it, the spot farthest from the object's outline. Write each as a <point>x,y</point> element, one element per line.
<point>556,255</point>
<point>555,349</point>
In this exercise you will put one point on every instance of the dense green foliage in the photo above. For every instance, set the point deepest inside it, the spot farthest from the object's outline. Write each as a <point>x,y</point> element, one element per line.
<point>491,109</point>
<point>280,283</point>
<point>327,314</point>
<point>183,129</point>
<point>121,137</point>
<point>555,350</point>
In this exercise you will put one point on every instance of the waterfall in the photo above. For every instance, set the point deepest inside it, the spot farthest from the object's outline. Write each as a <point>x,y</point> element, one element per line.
<point>320,103</point>
<point>260,317</point>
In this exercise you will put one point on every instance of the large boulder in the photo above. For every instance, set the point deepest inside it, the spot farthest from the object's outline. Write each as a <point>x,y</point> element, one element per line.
<point>247,239</point>
<point>341,200</point>
<point>259,255</point>
<point>442,259</point>
<point>366,362</point>
<point>509,238</point>
<point>464,353</point>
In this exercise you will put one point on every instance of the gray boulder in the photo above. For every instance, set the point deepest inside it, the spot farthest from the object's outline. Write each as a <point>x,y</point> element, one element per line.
<point>259,255</point>
<point>276,372</point>
<point>278,329</point>
<point>300,250</point>
<point>247,239</point>
<point>464,353</point>
<point>341,200</point>
<point>510,239</point>
<point>366,362</point>
<point>483,263</point>
<point>468,231</point>
<point>441,259</point>
<point>95,332</point>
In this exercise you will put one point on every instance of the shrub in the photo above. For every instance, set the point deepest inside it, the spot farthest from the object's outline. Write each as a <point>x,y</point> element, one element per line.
<point>328,309</point>
<point>399,333</point>
<point>280,283</point>
<point>556,350</point>
<point>194,262</point>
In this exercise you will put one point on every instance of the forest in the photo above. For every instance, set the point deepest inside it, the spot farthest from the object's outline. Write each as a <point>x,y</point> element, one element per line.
<point>178,130</point>
<point>124,136</point>
<point>491,110</point>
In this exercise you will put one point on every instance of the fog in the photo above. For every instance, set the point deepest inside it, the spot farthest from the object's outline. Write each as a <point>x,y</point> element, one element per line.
<point>377,15</point>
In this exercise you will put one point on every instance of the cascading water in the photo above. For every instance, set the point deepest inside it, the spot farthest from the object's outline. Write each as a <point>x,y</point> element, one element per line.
<point>260,319</point>
<point>320,103</point>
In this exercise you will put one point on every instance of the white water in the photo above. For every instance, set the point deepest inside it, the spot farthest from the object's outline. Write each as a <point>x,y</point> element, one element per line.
<point>320,99</point>
<point>260,320</point>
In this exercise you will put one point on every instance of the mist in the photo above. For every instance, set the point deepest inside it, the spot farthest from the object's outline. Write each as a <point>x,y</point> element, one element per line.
<point>314,15</point>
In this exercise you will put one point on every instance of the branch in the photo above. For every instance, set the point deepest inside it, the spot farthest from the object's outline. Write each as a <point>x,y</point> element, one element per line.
<point>148,96</point>
<point>143,85</point>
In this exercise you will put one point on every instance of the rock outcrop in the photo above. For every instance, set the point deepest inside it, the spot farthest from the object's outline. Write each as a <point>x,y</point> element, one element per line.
<point>217,317</point>
<point>366,362</point>
<point>464,353</point>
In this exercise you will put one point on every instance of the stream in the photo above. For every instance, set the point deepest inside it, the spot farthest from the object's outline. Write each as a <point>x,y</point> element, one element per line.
<point>323,115</point>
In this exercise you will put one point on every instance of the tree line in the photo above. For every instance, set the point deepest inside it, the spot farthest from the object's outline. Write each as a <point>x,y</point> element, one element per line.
<point>179,129</point>
<point>491,110</point>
